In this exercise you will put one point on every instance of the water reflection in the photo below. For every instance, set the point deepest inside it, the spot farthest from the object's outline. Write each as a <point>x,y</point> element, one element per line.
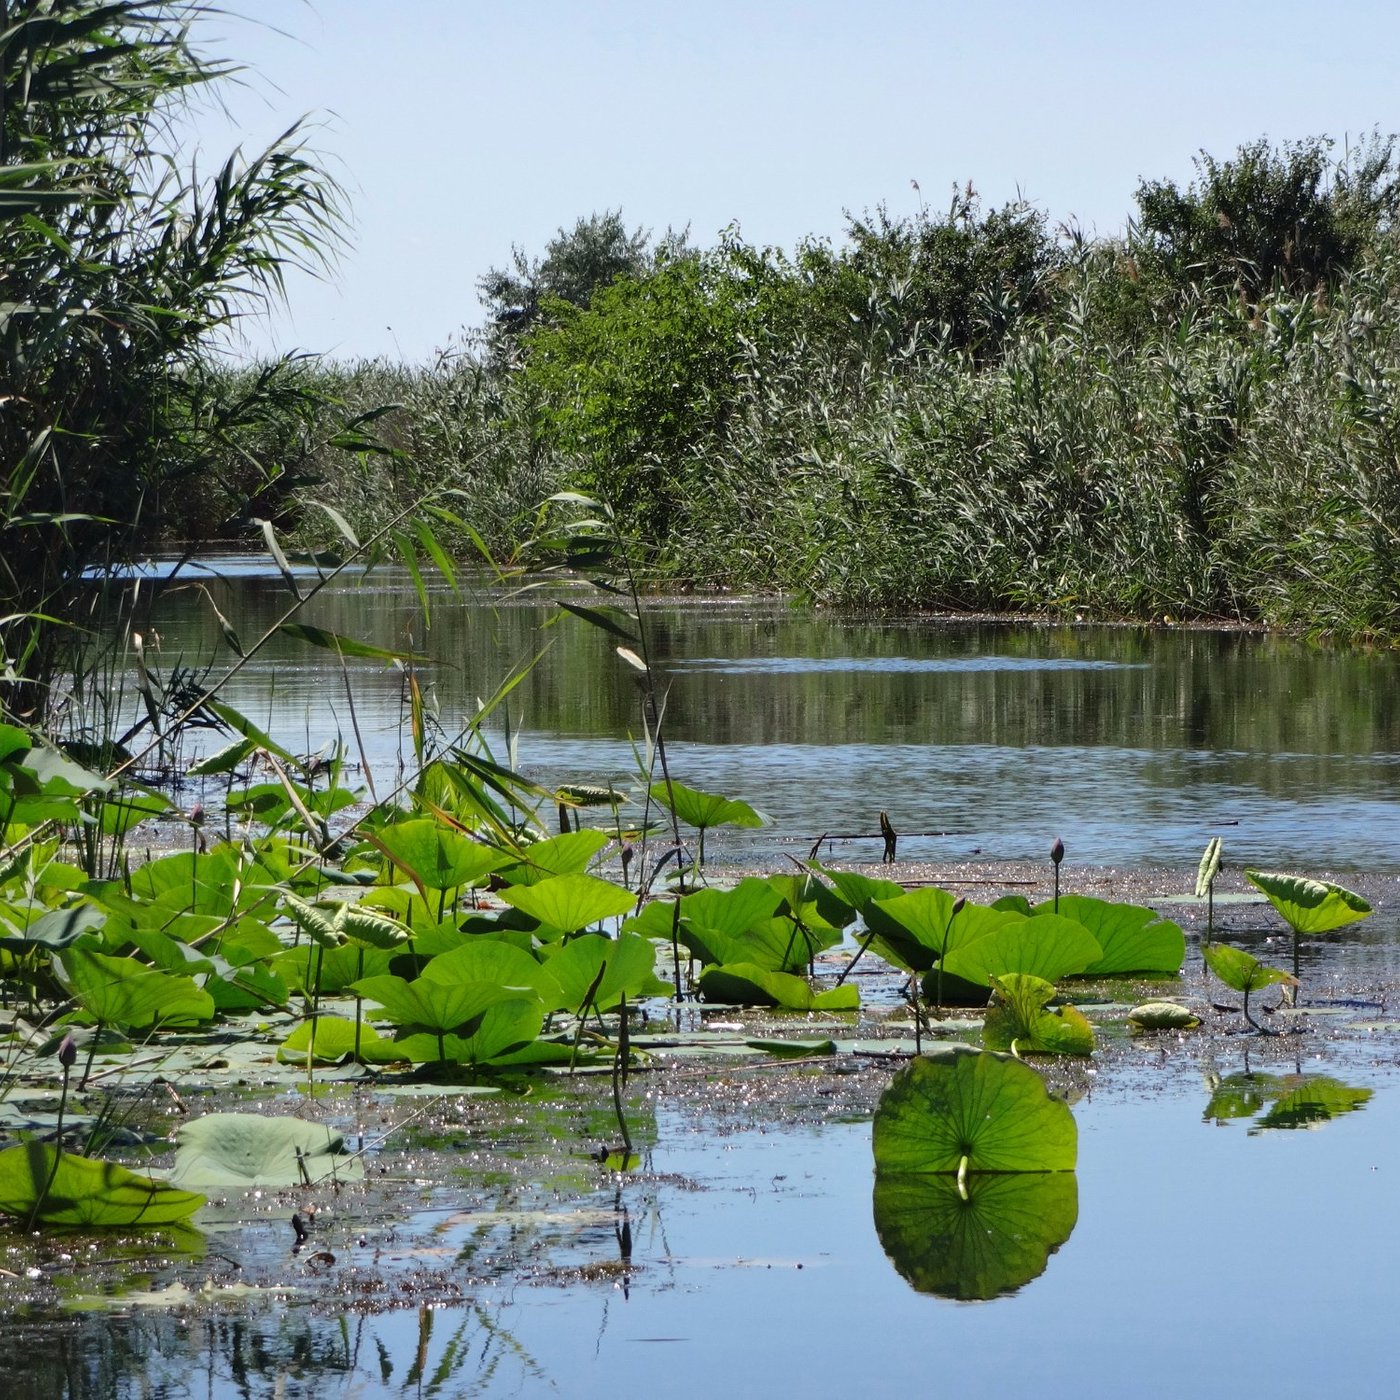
<point>990,1241</point>
<point>1134,744</point>
<point>1276,1102</point>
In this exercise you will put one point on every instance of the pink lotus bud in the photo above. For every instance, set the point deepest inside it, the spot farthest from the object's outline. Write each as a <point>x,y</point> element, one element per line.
<point>1057,851</point>
<point>67,1051</point>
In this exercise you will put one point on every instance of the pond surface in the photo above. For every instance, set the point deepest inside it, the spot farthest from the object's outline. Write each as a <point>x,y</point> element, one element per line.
<point>1134,745</point>
<point>1205,1252</point>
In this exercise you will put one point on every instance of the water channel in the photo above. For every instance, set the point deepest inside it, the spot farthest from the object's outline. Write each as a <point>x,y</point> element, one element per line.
<point>1209,1248</point>
<point>1135,746</point>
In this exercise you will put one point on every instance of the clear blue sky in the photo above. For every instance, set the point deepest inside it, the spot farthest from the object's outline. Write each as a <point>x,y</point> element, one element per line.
<point>461,127</point>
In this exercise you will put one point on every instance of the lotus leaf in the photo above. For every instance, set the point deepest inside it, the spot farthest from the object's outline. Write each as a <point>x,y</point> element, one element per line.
<point>334,1040</point>
<point>743,984</point>
<point>1046,945</point>
<point>991,1241</point>
<point>1018,1019</point>
<point>964,1109</point>
<point>1162,1016</point>
<point>437,1005</point>
<point>569,854</point>
<point>123,992</point>
<point>915,930</point>
<point>437,856</point>
<point>85,1191</point>
<point>1133,939</point>
<point>1309,906</point>
<point>248,1149</point>
<point>859,890</point>
<point>1241,970</point>
<point>630,970</point>
<point>704,810</point>
<point>491,960</point>
<point>570,902</point>
<point>505,1033</point>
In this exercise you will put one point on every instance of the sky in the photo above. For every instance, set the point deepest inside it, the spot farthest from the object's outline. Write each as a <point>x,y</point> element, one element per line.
<point>462,128</point>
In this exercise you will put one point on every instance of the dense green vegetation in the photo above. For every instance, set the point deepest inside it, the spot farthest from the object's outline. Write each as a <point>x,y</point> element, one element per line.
<point>962,408</point>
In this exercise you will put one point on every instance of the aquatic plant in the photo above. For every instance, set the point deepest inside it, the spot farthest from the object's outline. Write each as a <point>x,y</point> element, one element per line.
<point>1309,907</point>
<point>1244,972</point>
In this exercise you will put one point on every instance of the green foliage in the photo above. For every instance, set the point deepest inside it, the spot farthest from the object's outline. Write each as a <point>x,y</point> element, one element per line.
<point>1269,218</point>
<point>1048,946</point>
<point>1133,939</point>
<point>222,1150</point>
<point>744,984</point>
<point>1018,1020</point>
<point>1309,906</point>
<point>118,269</point>
<point>40,1184</point>
<point>968,1111</point>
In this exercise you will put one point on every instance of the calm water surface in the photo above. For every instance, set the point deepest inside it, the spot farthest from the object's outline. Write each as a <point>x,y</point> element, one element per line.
<point>1133,745</point>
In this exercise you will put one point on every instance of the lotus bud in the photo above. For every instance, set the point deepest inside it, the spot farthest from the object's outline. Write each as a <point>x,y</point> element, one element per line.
<point>959,904</point>
<point>67,1051</point>
<point>1057,851</point>
<point>197,814</point>
<point>627,853</point>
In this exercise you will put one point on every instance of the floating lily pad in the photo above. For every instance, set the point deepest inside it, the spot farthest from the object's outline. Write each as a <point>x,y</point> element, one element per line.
<point>1162,1016</point>
<point>963,1109</point>
<point>246,1149</point>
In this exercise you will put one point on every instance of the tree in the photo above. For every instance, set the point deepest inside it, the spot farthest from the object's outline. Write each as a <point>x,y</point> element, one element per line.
<point>117,266</point>
<point>576,264</point>
<point>1286,217</point>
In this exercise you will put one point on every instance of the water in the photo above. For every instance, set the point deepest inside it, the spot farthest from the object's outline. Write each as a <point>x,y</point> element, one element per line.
<point>1136,746</point>
<point>1261,1260</point>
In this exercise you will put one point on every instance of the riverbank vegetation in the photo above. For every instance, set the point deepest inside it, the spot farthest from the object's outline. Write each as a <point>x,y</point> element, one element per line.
<point>963,408</point>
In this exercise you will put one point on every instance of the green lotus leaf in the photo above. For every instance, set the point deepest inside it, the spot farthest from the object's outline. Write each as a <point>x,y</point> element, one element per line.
<point>1317,1100</point>
<point>1241,970</point>
<point>857,889</point>
<point>569,854</point>
<point>570,902</point>
<point>990,1240</point>
<point>813,901</point>
<point>1045,945</point>
<point>506,1033</point>
<point>974,1106</point>
<point>730,911</point>
<point>123,992</point>
<point>743,984</point>
<point>1309,906</point>
<point>777,944</point>
<point>435,1005</point>
<point>223,1150</point>
<point>119,814</point>
<point>85,1191</point>
<point>914,930</point>
<point>55,930</point>
<point>327,972</point>
<point>1017,1019</point>
<point>330,1039</point>
<point>705,809</point>
<point>492,961</point>
<point>1133,939</point>
<point>440,857</point>
<point>1162,1016</point>
<point>245,988</point>
<point>630,970</point>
